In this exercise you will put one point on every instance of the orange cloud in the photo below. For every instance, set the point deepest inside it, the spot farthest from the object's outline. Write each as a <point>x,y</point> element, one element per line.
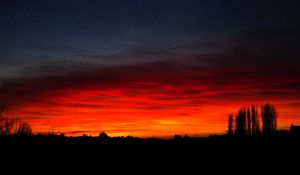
<point>149,99</point>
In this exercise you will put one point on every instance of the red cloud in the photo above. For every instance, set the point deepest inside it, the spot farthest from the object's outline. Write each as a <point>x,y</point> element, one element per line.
<point>150,98</point>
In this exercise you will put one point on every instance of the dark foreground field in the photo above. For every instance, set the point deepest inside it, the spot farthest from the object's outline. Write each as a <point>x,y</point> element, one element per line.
<point>133,154</point>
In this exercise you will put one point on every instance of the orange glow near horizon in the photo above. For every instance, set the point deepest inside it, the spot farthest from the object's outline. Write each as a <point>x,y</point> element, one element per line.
<point>142,115</point>
<point>148,100</point>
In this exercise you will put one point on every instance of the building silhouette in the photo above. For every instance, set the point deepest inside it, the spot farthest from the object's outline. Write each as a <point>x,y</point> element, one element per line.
<point>295,131</point>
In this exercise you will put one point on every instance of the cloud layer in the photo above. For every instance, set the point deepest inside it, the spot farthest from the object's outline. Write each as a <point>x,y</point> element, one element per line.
<point>152,74</point>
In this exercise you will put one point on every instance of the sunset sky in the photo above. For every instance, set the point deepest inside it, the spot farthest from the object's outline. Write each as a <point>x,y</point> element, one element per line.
<point>147,67</point>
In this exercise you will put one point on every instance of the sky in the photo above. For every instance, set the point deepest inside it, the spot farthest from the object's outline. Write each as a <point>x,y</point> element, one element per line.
<point>147,67</point>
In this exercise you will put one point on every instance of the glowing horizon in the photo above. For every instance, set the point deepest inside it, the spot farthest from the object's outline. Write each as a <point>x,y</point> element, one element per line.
<point>130,104</point>
<point>147,67</point>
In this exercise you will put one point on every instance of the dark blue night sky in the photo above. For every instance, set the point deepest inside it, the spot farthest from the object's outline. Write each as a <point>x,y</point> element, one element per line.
<point>100,32</point>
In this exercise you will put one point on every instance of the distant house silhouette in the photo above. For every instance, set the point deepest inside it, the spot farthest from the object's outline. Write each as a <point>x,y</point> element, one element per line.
<point>103,135</point>
<point>295,131</point>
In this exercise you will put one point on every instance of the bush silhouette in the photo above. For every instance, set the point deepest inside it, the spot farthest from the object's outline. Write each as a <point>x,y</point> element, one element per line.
<point>24,129</point>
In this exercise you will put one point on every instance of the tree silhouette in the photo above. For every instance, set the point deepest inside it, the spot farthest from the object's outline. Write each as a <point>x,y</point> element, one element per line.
<point>255,120</point>
<point>240,122</point>
<point>2,108</point>
<point>6,124</point>
<point>2,120</point>
<point>269,119</point>
<point>230,124</point>
<point>24,129</point>
<point>249,121</point>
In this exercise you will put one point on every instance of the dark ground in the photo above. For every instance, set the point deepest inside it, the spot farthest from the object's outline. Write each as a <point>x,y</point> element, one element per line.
<point>233,155</point>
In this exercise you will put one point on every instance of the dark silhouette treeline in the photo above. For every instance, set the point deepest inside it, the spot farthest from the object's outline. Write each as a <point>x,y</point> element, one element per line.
<point>11,125</point>
<point>248,122</point>
<point>132,153</point>
<point>185,153</point>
